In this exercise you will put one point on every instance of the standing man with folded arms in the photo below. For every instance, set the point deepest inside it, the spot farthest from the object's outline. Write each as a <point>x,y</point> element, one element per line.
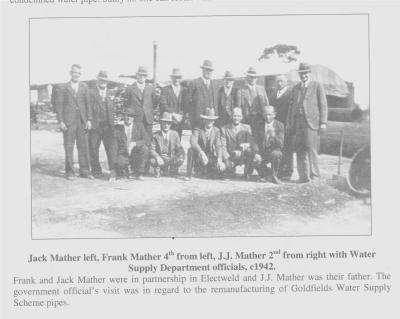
<point>74,117</point>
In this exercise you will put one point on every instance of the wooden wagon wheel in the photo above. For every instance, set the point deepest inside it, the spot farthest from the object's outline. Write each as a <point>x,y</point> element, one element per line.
<point>359,175</point>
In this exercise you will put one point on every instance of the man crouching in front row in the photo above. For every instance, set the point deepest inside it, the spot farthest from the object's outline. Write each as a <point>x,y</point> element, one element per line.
<point>167,154</point>
<point>205,152</point>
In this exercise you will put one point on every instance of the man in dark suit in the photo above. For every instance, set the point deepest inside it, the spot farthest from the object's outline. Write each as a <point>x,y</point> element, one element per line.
<point>167,153</point>
<point>307,119</point>
<point>175,99</point>
<point>74,117</point>
<point>281,99</point>
<point>102,109</point>
<point>270,138</point>
<point>141,99</point>
<point>251,98</point>
<point>226,100</point>
<point>203,94</point>
<point>239,147</point>
<point>205,152</point>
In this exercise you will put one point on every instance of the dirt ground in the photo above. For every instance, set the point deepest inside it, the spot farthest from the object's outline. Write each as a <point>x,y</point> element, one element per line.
<point>170,207</point>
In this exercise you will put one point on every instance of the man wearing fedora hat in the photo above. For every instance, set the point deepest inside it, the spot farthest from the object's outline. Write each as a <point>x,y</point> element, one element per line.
<point>251,98</point>
<point>141,99</point>
<point>205,152</point>
<point>175,99</point>
<point>167,153</point>
<point>203,94</point>
<point>227,99</point>
<point>238,145</point>
<point>74,117</point>
<point>102,109</point>
<point>307,119</point>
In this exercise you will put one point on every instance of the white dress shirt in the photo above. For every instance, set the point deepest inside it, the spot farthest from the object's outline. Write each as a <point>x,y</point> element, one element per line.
<point>227,90</point>
<point>103,93</point>
<point>177,89</point>
<point>141,86</point>
<point>269,130</point>
<point>206,82</point>
<point>75,86</point>
<point>281,92</point>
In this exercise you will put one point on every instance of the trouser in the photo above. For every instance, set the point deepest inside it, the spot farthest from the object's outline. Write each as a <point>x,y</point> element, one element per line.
<point>76,133</point>
<point>245,158</point>
<point>286,168</point>
<point>102,133</point>
<point>270,156</point>
<point>171,164</point>
<point>195,161</point>
<point>139,158</point>
<point>306,146</point>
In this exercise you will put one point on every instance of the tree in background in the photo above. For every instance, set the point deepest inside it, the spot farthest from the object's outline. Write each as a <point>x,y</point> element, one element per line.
<point>286,53</point>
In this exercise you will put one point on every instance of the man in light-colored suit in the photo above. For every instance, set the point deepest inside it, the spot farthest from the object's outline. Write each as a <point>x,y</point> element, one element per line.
<point>251,98</point>
<point>239,147</point>
<point>167,153</point>
<point>281,99</point>
<point>307,119</point>
<point>203,94</point>
<point>141,100</point>
<point>175,99</point>
<point>74,117</point>
<point>205,152</point>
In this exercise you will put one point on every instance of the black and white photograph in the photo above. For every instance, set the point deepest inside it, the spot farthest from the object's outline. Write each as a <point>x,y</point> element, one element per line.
<point>200,126</point>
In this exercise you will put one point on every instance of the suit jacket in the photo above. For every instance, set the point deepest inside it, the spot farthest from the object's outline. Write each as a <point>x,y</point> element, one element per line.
<point>313,99</point>
<point>201,98</point>
<point>226,104</point>
<point>95,104</point>
<point>273,142</point>
<point>249,103</point>
<point>142,104</point>
<point>198,141</point>
<point>139,135</point>
<point>68,103</point>
<point>281,104</point>
<point>171,103</point>
<point>231,141</point>
<point>175,148</point>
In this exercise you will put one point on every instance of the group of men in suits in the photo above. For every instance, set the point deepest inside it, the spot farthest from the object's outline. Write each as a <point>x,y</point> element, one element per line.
<point>231,126</point>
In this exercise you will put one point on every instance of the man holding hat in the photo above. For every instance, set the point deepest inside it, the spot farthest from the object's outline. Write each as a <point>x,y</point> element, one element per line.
<point>141,99</point>
<point>239,147</point>
<point>205,150</point>
<point>226,99</point>
<point>307,119</point>
<point>167,153</point>
<point>203,94</point>
<point>251,98</point>
<point>102,109</point>
<point>175,99</point>
<point>74,117</point>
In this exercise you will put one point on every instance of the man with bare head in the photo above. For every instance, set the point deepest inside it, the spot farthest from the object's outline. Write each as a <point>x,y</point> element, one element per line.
<point>238,144</point>
<point>269,136</point>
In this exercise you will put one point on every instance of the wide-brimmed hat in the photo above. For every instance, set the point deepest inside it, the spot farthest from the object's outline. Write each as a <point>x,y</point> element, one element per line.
<point>208,65</point>
<point>166,117</point>
<point>304,67</point>
<point>209,114</point>
<point>176,72</point>
<point>251,72</point>
<point>229,76</point>
<point>102,75</point>
<point>142,71</point>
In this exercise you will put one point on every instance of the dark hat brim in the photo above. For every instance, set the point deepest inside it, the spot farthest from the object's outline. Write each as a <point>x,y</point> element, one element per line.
<point>304,71</point>
<point>207,67</point>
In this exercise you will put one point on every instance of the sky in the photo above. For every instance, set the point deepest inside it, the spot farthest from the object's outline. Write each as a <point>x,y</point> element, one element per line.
<point>120,45</point>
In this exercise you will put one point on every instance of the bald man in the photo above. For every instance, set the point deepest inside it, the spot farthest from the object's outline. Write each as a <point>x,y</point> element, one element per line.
<point>269,136</point>
<point>238,145</point>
